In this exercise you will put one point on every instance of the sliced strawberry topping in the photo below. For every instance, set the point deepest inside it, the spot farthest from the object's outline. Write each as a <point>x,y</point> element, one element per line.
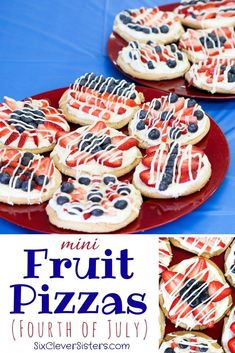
<point>218,291</point>
<point>198,270</point>
<point>181,309</point>
<point>173,279</point>
<point>205,314</point>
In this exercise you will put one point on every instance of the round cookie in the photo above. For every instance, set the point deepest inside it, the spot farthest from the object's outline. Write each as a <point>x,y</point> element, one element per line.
<point>26,178</point>
<point>96,148</point>
<point>153,62</point>
<point>199,45</point>
<point>202,246</point>
<point>229,264</point>
<point>165,254</point>
<point>93,98</point>
<point>30,125</point>
<point>146,24</point>
<point>207,14</point>
<point>228,333</point>
<point>188,342</point>
<point>213,75</point>
<point>170,171</point>
<point>194,294</point>
<point>169,119</point>
<point>94,204</point>
<point>162,325</point>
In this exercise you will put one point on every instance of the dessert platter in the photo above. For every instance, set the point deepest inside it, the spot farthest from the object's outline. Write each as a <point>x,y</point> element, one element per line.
<point>186,48</point>
<point>115,155</point>
<point>197,312</point>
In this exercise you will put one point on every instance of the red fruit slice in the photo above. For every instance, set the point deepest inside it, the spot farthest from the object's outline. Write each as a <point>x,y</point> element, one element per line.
<point>173,279</point>
<point>231,345</point>
<point>198,270</point>
<point>232,327</point>
<point>205,315</point>
<point>181,311</point>
<point>217,292</point>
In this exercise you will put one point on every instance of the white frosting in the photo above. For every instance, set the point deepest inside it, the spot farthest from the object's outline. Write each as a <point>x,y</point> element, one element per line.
<point>202,245</point>
<point>227,332</point>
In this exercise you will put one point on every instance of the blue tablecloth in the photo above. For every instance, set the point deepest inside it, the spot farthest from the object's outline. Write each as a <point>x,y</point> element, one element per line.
<point>46,44</point>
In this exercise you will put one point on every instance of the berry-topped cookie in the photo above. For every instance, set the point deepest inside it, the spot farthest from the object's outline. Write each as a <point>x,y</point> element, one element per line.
<point>201,44</point>
<point>151,61</point>
<point>189,342</point>
<point>30,125</point>
<point>170,171</point>
<point>96,148</point>
<point>228,333</point>
<point>207,13</point>
<point>145,24</point>
<point>26,178</point>
<point>93,98</point>
<point>194,294</point>
<point>94,204</point>
<point>168,119</point>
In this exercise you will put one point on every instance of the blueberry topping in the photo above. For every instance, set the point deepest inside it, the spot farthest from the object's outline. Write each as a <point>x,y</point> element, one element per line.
<point>191,103</point>
<point>157,104</point>
<point>62,200</point>
<point>142,114</point>
<point>203,347</point>
<point>164,29</point>
<point>121,204</point>
<point>192,128</point>
<point>41,180</point>
<point>124,190</point>
<point>67,187</point>
<point>17,183</point>
<point>5,178</point>
<point>171,63</point>
<point>141,125</point>
<point>172,98</point>
<point>97,212</point>
<point>84,181</point>
<point>154,134</point>
<point>169,350</point>
<point>199,114</point>
<point>158,49</point>
<point>155,30</point>
<point>179,56</point>
<point>27,185</point>
<point>174,133</point>
<point>150,65</point>
<point>109,180</point>
<point>163,185</point>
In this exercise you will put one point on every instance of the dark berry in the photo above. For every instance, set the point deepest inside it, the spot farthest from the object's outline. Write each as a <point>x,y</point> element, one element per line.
<point>141,125</point>
<point>41,180</point>
<point>191,103</point>
<point>97,212</point>
<point>27,185</point>
<point>121,204</point>
<point>163,185</point>
<point>179,56</point>
<point>199,114</point>
<point>172,98</point>
<point>192,128</point>
<point>62,200</point>
<point>155,30</point>
<point>5,178</point>
<point>84,181</point>
<point>174,133</point>
<point>203,347</point>
<point>154,134</point>
<point>67,187</point>
<point>158,49</point>
<point>142,114</point>
<point>150,65</point>
<point>171,63</point>
<point>164,29</point>
<point>157,104</point>
<point>109,180</point>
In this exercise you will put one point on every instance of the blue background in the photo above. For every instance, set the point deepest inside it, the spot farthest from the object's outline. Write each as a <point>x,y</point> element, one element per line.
<point>47,44</point>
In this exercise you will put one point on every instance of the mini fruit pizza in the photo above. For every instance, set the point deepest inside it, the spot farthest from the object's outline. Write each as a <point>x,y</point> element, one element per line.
<point>213,75</point>
<point>162,325</point>
<point>214,42</point>
<point>151,61</point>
<point>96,148</point>
<point>170,171</point>
<point>94,203</point>
<point>26,178</point>
<point>189,342</point>
<point>229,265</point>
<point>93,98</point>
<point>206,13</point>
<point>169,119</point>
<point>165,254</point>
<point>194,294</point>
<point>203,246</point>
<point>30,125</point>
<point>228,334</point>
<point>146,24</point>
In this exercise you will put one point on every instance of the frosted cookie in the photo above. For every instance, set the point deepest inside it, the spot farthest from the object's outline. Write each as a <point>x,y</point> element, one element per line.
<point>165,254</point>
<point>30,125</point>
<point>26,178</point>
<point>203,246</point>
<point>194,294</point>
<point>94,204</point>
<point>189,342</point>
<point>96,148</point>
<point>93,98</point>
<point>206,13</point>
<point>199,45</point>
<point>145,24</point>
<point>162,325</point>
<point>228,333</point>
<point>170,171</point>
<point>151,61</point>
<point>169,119</point>
<point>213,75</point>
<point>229,264</point>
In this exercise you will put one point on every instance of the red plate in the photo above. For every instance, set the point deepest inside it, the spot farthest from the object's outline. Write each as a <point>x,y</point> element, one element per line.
<point>178,85</point>
<point>180,255</point>
<point>154,213</point>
